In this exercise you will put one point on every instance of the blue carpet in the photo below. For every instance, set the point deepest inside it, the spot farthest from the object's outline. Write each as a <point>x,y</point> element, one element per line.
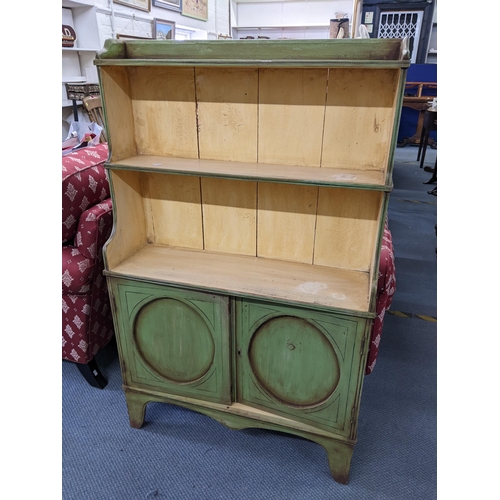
<point>179,454</point>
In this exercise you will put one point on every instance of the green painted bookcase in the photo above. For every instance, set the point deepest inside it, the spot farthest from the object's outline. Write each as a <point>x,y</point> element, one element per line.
<point>250,182</point>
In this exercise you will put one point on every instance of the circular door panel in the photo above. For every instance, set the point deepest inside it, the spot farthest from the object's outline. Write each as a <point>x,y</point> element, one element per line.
<point>294,361</point>
<point>173,340</point>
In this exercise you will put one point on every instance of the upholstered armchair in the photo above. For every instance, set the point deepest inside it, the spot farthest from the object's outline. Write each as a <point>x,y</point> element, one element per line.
<point>87,221</point>
<point>386,287</point>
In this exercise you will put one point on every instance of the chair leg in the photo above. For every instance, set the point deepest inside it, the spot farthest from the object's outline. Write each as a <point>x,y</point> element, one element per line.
<point>424,146</point>
<point>92,374</point>
<point>421,141</point>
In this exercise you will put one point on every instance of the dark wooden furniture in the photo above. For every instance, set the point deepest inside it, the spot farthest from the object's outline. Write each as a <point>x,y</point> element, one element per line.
<point>429,124</point>
<point>418,96</point>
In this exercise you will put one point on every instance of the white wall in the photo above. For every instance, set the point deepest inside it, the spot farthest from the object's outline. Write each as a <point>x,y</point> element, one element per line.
<point>106,19</point>
<point>286,18</point>
<point>290,13</point>
<point>116,19</point>
<point>289,19</point>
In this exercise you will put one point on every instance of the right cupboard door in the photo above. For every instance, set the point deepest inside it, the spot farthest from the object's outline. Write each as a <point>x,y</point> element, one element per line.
<point>302,364</point>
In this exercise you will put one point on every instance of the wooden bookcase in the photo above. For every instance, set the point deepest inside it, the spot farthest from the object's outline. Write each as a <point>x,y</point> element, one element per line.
<point>250,182</point>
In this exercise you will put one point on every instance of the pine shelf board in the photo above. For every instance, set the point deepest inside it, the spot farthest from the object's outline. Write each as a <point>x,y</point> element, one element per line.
<point>341,177</point>
<point>248,276</point>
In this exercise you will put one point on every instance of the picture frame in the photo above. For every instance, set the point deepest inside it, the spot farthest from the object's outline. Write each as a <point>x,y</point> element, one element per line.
<point>175,5</point>
<point>144,5</point>
<point>198,9</point>
<point>163,29</point>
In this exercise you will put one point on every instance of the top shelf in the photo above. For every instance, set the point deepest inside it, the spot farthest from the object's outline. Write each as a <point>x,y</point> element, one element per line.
<point>373,52</point>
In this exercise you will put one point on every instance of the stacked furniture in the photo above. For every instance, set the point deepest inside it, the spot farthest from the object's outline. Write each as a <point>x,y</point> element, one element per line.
<point>250,182</point>
<point>87,220</point>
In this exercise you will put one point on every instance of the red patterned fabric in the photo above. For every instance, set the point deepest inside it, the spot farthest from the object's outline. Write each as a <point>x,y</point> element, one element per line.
<point>84,183</point>
<point>385,292</point>
<point>86,225</point>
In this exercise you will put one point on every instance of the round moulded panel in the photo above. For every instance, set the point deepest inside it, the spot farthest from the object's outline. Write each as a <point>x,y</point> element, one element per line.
<point>174,340</point>
<point>294,361</point>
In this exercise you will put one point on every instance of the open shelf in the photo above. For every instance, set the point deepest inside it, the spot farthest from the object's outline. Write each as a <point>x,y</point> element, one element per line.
<point>78,61</point>
<point>242,275</point>
<point>256,171</point>
<point>73,79</point>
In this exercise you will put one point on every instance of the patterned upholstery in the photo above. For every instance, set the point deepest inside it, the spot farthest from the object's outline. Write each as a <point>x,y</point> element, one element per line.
<point>385,293</point>
<point>87,220</point>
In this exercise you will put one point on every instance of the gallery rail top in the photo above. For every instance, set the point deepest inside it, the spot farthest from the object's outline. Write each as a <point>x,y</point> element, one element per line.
<point>376,52</point>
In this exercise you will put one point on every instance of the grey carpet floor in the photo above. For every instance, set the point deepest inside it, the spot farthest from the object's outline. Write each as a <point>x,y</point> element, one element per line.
<point>179,454</point>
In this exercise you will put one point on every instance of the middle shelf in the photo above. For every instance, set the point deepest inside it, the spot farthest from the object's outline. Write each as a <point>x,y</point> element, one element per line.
<point>318,176</point>
<point>307,230</point>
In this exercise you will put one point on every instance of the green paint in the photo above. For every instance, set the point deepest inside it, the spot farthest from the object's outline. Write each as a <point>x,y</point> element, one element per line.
<point>376,52</point>
<point>294,361</point>
<point>298,363</point>
<point>339,450</point>
<point>173,340</point>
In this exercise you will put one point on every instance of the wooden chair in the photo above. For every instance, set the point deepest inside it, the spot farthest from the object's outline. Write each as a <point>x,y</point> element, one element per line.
<point>93,105</point>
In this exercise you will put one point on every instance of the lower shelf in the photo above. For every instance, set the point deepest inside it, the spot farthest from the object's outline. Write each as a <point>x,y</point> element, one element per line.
<point>247,276</point>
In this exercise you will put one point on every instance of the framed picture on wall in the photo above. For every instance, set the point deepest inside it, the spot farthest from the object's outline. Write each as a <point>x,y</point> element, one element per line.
<point>136,4</point>
<point>195,8</point>
<point>169,4</point>
<point>163,30</point>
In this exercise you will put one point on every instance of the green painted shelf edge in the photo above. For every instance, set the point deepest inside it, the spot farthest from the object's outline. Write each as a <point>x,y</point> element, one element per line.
<point>373,52</point>
<point>347,184</point>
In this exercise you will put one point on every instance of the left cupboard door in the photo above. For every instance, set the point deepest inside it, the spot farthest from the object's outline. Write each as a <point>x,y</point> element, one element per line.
<point>172,340</point>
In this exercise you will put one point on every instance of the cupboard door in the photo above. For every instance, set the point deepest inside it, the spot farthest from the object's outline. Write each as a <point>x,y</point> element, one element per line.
<point>173,340</point>
<point>302,364</point>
